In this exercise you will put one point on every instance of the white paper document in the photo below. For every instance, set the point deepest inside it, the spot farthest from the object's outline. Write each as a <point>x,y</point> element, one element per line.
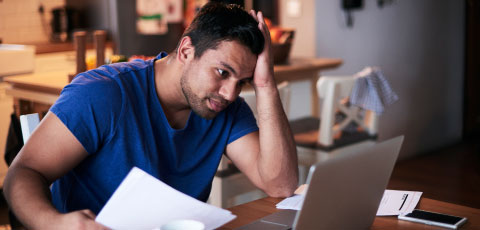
<point>395,202</point>
<point>294,202</point>
<point>144,202</point>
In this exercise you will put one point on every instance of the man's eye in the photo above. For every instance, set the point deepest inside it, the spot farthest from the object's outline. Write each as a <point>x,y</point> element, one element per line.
<point>223,73</point>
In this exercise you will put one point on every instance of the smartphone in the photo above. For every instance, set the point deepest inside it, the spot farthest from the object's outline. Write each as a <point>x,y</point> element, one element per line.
<point>433,218</point>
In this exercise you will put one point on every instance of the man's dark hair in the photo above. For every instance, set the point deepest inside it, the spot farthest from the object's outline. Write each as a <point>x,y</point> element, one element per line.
<point>217,22</point>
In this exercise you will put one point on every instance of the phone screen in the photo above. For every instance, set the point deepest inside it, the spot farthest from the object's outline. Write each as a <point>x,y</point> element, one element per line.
<point>437,217</point>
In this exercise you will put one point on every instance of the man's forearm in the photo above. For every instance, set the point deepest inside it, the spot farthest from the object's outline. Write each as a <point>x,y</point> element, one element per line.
<point>27,193</point>
<point>277,161</point>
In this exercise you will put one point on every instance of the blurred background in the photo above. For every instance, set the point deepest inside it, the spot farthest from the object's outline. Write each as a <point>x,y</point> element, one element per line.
<point>422,47</point>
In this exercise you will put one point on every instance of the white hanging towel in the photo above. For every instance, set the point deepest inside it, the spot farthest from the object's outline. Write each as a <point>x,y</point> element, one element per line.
<point>371,91</point>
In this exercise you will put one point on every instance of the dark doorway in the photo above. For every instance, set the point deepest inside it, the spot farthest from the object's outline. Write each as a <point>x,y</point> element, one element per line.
<point>471,117</point>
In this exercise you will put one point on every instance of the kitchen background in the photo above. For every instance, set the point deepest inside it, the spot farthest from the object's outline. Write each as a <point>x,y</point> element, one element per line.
<point>418,44</point>
<point>22,22</point>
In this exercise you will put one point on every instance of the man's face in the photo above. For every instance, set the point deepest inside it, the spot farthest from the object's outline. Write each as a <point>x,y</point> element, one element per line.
<point>213,81</point>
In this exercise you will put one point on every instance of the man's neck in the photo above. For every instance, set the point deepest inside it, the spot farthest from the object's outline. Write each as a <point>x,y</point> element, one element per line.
<point>167,84</point>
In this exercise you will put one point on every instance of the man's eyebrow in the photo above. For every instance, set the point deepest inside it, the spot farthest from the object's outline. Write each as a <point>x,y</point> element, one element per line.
<point>228,67</point>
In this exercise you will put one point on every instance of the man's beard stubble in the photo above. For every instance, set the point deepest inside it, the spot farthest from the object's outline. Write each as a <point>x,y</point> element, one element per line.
<point>197,104</point>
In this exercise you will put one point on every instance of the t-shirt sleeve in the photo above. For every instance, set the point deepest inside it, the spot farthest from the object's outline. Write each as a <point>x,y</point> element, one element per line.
<point>244,121</point>
<point>89,107</point>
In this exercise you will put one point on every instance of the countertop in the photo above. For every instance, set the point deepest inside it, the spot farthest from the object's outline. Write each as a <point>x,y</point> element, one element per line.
<point>54,47</point>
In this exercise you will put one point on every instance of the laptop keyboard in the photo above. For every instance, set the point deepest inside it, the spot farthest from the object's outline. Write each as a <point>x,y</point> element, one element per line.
<point>282,220</point>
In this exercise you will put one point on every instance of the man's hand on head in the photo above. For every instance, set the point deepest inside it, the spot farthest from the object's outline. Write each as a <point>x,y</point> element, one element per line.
<point>263,75</point>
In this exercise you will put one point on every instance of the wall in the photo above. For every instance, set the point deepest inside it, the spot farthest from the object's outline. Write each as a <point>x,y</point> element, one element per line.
<point>20,21</point>
<point>420,47</point>
<point>129,42</point>
<point>303,46</point>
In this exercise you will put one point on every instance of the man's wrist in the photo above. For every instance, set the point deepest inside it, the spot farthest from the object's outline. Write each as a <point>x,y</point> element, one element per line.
<point>266,85</point>
<point>49,219</point>
<point>270,89</point>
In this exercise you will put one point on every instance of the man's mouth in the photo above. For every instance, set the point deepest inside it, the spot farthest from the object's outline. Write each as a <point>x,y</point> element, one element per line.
<point>216,106</point>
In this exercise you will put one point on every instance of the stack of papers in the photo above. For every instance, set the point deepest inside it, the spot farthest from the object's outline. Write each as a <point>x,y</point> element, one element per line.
<point>393,202</point>
<point>144,202</point>
<point>396,202</point>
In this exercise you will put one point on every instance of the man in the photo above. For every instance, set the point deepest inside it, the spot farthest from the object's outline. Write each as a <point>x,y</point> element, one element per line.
<point>173,117</point>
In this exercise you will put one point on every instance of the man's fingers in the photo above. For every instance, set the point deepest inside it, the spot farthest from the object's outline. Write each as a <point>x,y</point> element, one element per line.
<point>262,26</point>
<point>266,31</point>
<point>261,21</point>
<point>260,17</point>
<point>254,15</point>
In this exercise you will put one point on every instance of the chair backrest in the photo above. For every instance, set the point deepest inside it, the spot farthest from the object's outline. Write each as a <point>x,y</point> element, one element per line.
<point>283,90</point>
<point>28,123</point>
<point>335,90</point>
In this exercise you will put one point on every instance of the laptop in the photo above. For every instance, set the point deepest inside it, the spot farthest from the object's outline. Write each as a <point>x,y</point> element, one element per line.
<point>344,192</point>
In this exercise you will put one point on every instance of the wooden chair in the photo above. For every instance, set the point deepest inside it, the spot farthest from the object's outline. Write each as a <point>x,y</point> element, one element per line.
<point>229,183</point>
<point>80,43</point>
<point>340,128</point>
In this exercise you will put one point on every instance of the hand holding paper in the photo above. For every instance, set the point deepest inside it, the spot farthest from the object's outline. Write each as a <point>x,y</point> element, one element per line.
<point>144,202</point>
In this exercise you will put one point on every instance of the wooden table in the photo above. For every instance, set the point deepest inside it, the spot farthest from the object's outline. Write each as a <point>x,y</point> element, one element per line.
<point>40,90</point>
<point>254,210</point>
<point>35,93</point>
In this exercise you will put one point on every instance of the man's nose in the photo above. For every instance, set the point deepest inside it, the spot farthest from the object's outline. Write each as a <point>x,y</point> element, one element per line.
<point>229,90</point>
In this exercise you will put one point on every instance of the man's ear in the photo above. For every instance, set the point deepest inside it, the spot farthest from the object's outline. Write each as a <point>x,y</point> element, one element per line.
<point>186,50</point>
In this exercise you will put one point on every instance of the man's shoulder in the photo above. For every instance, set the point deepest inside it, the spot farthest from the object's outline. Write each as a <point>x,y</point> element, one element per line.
<point>110,76</point>
<point>118,69</point>
<point>125,67</point>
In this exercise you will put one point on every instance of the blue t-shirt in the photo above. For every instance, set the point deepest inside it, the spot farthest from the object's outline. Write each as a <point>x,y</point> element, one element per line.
<point>114,112</point>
